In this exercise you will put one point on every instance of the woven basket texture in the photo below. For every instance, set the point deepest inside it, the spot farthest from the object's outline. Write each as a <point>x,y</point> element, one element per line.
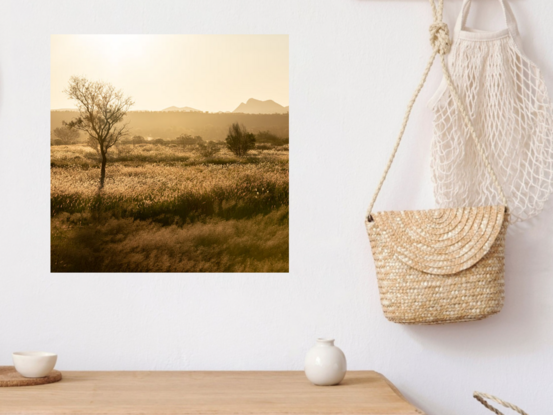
<point>439,266</point>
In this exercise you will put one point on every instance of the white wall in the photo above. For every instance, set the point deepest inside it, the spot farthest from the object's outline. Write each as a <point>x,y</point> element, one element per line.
<point>354,64</point>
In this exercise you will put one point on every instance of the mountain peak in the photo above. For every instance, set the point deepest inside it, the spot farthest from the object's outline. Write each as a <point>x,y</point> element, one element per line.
<point>255,106</point>
<point>181,109</point>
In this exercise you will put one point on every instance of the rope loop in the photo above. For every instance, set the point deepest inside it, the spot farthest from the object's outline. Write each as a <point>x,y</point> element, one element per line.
<point>481,397</point>
<point>439,38</point>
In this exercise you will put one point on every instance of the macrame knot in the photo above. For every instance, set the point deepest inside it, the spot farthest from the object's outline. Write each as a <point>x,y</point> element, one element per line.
<point>439,38</point>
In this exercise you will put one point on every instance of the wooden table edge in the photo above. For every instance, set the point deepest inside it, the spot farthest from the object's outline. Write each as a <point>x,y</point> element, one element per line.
<point>67,377</point>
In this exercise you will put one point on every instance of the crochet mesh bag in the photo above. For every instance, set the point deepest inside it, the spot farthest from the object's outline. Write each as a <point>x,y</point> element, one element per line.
<point>443,265</point>
<point>507,101</point>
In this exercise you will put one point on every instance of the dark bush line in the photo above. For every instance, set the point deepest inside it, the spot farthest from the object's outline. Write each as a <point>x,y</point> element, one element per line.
<point>183,161</point>
<point>259,244</point>
<point>183,209</point>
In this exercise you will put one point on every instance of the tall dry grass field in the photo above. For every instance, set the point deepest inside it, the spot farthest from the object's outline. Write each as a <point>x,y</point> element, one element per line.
<point>166,208</point>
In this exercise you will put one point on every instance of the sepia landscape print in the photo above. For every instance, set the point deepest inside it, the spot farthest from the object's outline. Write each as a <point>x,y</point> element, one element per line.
<point>169,153</point>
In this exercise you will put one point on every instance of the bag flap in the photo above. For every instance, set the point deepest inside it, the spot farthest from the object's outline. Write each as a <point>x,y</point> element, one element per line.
<point>440,241</point>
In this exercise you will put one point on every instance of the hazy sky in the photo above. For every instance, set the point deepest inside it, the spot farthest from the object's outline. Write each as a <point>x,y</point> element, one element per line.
<point>206,72</point>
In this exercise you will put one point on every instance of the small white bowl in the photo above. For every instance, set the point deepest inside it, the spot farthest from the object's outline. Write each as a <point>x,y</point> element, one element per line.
<point>34,364</point>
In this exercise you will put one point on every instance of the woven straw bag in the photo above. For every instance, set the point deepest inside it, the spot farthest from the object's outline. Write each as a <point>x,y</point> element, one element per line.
<point>481,397</point>
<point>443,265</point>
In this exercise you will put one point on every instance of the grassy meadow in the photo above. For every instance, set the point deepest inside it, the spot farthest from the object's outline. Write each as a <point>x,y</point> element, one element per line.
<point>168,208</point>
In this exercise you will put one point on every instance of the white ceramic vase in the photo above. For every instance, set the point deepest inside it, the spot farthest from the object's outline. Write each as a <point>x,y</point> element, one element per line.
<point>325,364</point>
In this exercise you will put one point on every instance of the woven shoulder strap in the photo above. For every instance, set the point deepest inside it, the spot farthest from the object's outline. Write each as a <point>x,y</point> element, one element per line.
<point>481,397</point>
<point>441,45</point>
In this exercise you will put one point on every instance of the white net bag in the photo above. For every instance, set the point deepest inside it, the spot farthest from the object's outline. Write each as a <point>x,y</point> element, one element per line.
<point>508,103</point>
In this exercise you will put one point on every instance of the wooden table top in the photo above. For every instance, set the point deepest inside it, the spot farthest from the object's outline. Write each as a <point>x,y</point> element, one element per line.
<point>213,393</point>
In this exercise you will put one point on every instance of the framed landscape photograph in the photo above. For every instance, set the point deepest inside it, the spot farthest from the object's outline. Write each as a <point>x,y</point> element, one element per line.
<point>169,153</point>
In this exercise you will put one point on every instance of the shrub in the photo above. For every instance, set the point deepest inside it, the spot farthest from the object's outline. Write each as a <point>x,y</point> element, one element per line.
<point>65,135</point>
<point>188,140</point>
<point>270,138</point>
<point>138,139</point>
<point>208,150</point>
<point>239,140</point>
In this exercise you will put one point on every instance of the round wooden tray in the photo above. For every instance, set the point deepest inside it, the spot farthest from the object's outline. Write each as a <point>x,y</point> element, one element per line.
<point>10,377</point>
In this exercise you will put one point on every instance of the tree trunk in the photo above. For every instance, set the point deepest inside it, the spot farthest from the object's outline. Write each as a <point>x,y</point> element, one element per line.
<point>103,170</point>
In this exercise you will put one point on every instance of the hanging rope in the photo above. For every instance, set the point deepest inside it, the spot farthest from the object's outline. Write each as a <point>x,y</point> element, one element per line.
<point>481,397</point>
<point>441,45</point>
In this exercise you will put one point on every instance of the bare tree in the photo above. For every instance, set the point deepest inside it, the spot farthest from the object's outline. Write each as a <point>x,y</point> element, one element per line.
<point>101,108</point>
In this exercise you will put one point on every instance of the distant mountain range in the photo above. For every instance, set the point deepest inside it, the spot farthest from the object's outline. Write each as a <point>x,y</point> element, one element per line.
<point>254,106</point>
<point>182,109</point>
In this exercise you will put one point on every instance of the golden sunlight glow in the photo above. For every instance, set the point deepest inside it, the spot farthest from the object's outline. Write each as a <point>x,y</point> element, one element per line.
<point>205,72</point>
